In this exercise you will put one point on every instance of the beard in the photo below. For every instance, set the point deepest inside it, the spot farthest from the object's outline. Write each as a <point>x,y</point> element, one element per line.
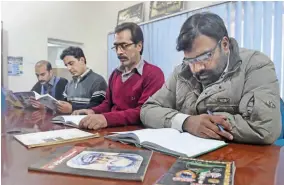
<point>42,82</point>
<point>209,76</point>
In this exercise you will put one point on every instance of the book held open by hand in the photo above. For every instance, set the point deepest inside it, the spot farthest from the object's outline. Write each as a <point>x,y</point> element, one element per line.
<point>22,99</point>
<point>93,162</point>
<point>53,137</point>
<point>169,141</point>
<point>71,120</point>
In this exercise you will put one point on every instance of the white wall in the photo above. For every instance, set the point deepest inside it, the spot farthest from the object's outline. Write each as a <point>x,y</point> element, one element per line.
<point>27,26</point>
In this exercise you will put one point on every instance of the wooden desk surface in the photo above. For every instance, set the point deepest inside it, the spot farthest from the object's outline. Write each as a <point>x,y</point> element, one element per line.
<point>256,165</point>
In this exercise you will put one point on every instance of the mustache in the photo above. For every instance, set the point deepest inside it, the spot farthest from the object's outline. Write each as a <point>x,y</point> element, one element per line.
<point>203,72</point>
<point>122,57</point>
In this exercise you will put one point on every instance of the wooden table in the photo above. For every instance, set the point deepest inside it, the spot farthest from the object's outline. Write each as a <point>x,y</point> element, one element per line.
<point>256,165</point>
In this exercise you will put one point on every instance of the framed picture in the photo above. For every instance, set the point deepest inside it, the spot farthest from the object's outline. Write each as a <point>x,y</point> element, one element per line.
<point>134,14</point>
<point>163,8</point>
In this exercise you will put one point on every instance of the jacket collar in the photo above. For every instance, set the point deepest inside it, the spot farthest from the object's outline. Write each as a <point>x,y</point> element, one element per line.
<point>234,63</point>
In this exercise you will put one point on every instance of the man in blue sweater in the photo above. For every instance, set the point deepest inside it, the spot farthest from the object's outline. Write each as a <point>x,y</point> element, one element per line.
<point>86,89</point>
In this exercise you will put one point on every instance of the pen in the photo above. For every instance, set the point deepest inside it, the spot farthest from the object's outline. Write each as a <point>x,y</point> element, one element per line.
<point>218,125</point>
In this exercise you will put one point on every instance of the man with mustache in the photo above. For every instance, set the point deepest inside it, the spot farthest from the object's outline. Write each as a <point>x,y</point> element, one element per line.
<point>86,89</point>
<point>220,91</point>
<point>130,85</point>
<point>47,83</point>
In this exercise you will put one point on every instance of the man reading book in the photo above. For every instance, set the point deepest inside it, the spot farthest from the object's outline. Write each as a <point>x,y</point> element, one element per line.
<point>47,83</point>
<point>86,89</point>
<point>130,85</point>
<point>239,86</point>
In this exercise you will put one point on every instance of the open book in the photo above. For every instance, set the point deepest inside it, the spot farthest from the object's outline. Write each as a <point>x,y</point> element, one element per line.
<point>23,99</point>
<point>71,120</point>
<point>169,141</point>
<point>53,137</point>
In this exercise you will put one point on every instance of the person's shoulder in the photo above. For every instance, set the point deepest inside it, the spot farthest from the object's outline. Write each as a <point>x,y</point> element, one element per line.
<point>63,80</point>
<point>96,77</point>
<point>151,68</point>
<point>254,58</point>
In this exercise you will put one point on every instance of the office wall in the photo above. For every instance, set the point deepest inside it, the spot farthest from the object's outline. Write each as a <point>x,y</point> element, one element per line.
<point>28,25</point>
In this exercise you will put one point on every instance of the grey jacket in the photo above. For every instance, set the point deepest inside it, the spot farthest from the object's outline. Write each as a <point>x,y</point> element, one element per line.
<point>248,94</point>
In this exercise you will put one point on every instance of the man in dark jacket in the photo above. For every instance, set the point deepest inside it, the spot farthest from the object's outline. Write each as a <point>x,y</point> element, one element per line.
<point>47,83</point>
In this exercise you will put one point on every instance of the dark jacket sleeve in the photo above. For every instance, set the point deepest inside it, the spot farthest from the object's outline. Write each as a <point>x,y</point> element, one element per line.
<point>36,88</point>
<point>60,88</point>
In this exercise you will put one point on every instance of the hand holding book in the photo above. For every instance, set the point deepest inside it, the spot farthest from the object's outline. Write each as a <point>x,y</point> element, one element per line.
<point>64,107</point>
<point>205,126</point>
<point>35,103</point>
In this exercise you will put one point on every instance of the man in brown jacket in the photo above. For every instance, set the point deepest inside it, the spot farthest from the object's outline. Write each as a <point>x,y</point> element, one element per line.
<point>219,91</point>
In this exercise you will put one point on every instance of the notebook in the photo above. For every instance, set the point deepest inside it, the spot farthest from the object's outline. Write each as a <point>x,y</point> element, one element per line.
<point>71,120</point>
<point>94,162</point>
<point>53,137</point>
<point>169,141</point>
<point>195,171</point>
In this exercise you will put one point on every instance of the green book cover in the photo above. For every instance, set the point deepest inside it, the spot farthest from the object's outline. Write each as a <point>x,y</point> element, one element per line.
<point>189,171</point>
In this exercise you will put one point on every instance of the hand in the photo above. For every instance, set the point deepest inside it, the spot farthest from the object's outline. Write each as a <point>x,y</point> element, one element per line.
<point>64,107</point>
<point>205,126</point>
<point>37,116</point>
<point>36,104</point>
<point>93,121</point>
<point>83,111</point>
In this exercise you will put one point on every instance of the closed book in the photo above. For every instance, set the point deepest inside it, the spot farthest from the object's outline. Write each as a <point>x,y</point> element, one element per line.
<point>198,172</point>
<point>168,141</point>
<point>53,137</point>
<point>94,162</point>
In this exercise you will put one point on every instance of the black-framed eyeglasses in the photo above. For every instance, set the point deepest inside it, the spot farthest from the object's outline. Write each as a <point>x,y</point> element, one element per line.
<point>206,57</point>
<point>122,46</point>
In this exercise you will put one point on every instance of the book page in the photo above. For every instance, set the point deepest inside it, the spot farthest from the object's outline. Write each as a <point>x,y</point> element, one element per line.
<point>172,139</point>
<point>48,101</point>
<point>48,96</point>
<point>75,119</point>
<point>37,96</point>
<point>51,136</point>
<point>154,135</point>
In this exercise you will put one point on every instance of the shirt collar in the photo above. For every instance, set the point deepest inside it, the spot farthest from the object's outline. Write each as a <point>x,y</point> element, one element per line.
<point>51,81</point>
<point>85,73</point>
<point>138,67</point>
<point>82,75</point>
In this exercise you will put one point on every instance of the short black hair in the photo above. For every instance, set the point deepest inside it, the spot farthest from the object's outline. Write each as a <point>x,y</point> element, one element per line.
<point>205,23</point>
<point>136,32</point>
<point>46,63</point>
<point>76,52</point>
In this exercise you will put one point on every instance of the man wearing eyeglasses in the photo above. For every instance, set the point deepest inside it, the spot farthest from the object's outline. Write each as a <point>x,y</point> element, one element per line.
<point>130,85</point>
<point>220,91</point>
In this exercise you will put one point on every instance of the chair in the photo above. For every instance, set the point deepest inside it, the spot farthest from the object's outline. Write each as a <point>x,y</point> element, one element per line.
<point>280,141</point>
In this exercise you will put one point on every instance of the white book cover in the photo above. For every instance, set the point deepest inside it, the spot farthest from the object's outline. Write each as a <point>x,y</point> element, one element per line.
<point>53,137</point>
